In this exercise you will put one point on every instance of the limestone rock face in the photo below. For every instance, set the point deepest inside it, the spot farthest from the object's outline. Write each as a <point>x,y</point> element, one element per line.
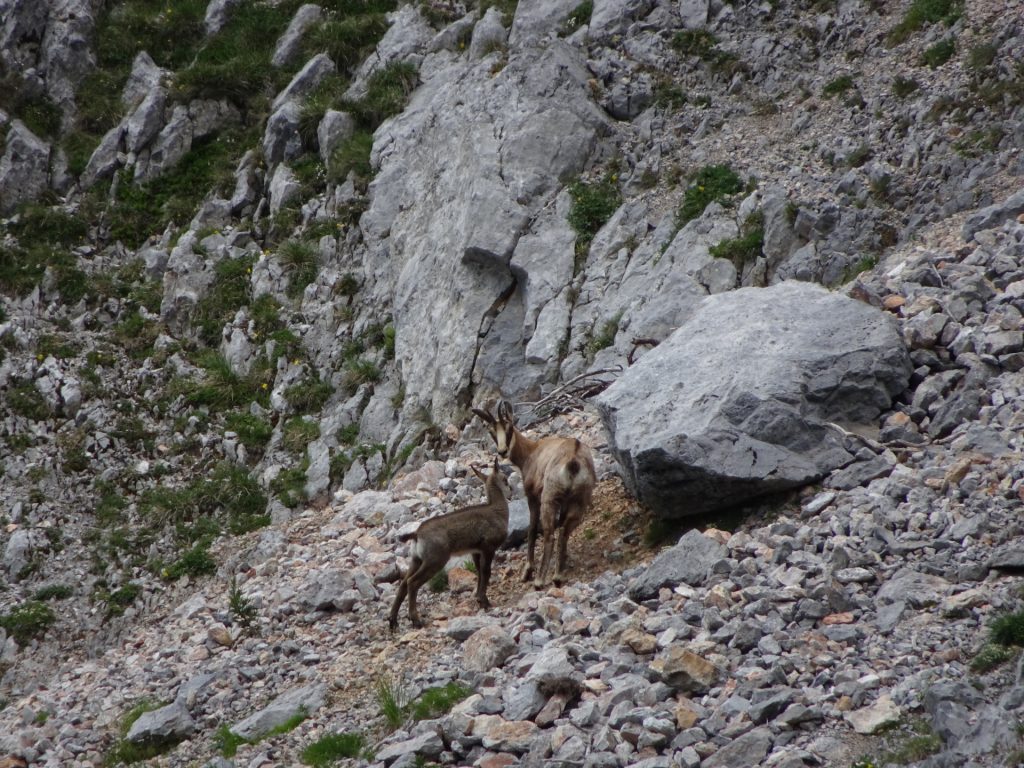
<point>452,200</point>
<point>24,167</point>
<point>736,402</point>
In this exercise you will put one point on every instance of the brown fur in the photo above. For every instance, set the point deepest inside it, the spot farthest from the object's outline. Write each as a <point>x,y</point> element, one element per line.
<point>559,478</point>
<point>479,529</point>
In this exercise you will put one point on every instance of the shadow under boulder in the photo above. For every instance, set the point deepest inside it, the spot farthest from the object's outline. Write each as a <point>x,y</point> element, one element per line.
<point>737,402</point>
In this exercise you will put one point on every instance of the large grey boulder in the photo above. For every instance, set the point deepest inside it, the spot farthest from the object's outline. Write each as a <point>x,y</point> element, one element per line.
<point>305,700</point>
<point>313,72</point>
<point>736,402</point>
<point>688,562</point>
<point>488,35</point>
<point>24,167</point>
<point>993,215</point>
<point>169,723</point>
<point>66,51</point>
<point>450,203</point>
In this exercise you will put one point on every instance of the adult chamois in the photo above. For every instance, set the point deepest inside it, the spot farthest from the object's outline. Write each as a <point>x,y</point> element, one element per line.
<point>558,475</point>
<point>479,529</point>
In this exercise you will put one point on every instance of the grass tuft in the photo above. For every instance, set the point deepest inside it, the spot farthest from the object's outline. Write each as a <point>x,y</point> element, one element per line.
<point>332,748</point>
<point>713,183</point>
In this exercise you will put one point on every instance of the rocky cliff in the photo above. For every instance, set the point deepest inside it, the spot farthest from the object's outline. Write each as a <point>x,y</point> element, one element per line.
<point>259,260</point>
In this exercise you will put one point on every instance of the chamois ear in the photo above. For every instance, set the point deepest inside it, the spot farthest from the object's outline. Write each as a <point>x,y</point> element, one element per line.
<point>478,473</point>
<point>505,413</point>
<point>496,468</point>
<point>487,418</point>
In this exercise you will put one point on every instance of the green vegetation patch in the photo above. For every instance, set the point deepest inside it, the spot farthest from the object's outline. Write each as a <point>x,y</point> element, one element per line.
<point>221,388</point>
<point>333,747</point>
<point>435,702</point>
<point>387,92</point>
<point>126,752</point>
<point>298,433</point>
<point>922,13</point>
<point>605,336</point>
<point>229,292</point>
<point>229,494</point>
<point>39,114</point>
<point>838,86</point>
<point>580,17</point>
<point>592,205</point>
<point>308,395</point>
<point>299,258</point>
<point>53,592</point>
<point>937,55</point>
<point>23,399</point>
<point>747,247</point>
<point>713,183</point>
<point>28,621</point>
<point>904,86</point>
<point>253,431</point>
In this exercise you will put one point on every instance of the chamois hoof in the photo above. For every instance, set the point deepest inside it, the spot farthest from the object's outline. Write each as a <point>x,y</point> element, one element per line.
<point>527,573</point>
<point>393,625</point>
<point>484,604</point>
<point>417,622</point>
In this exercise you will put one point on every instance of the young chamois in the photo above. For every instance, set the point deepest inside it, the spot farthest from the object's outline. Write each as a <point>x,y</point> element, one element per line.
<point>479,529</point>
<point>558,475</point>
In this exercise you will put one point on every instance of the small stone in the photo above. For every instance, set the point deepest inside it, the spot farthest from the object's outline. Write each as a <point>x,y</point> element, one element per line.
<point>874,717</point>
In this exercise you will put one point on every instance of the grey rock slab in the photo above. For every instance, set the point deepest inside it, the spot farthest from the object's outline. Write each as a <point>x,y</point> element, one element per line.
<point>488,35</point>
<point>694,13</point>
<point>290,43</point>
<point>18,552</point>
<point>536,19</point>
<point>487,648</point>
<point>307,699</point>
<point>428,745</point>
<point>217,14</point>
<point>861,472</point>
<point>736,402</point>
<point>146,121</point>
<point>993,215</point>
<point>106,158</point>
<point>445,271</point>
<point>169,723</point>
<point>281,139</point>
<point>406,39</point>
<point>335,128</point>
<point>1009,557</point>
<point>144,77</point>
<point>748,749</point>
<point>24,167</point>
<point>917,590</point>
<point>462,628</point>
<point>313,72</point>
<point>872,718</point>
<point>284,187</point>
<point>688,562</point>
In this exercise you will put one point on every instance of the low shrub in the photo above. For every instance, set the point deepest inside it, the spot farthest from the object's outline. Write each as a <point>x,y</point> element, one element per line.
<point>28,621</point>
<point>713,183</point>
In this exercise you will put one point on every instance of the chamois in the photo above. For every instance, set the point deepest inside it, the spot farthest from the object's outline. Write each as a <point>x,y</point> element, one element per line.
<point>479,529</point>
<point>558,475</point>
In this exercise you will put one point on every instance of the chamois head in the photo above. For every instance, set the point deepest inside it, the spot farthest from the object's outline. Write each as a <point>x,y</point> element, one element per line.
<point>494,482</point>
<point>502,428</point>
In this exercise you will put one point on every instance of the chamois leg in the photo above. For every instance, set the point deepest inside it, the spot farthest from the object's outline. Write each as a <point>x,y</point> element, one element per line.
<point>483,578</point>
<point>416,580</point>
<point>573,517</point>
<point>548,519</point>
<point>403,589</point>
<point>531,537</point>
